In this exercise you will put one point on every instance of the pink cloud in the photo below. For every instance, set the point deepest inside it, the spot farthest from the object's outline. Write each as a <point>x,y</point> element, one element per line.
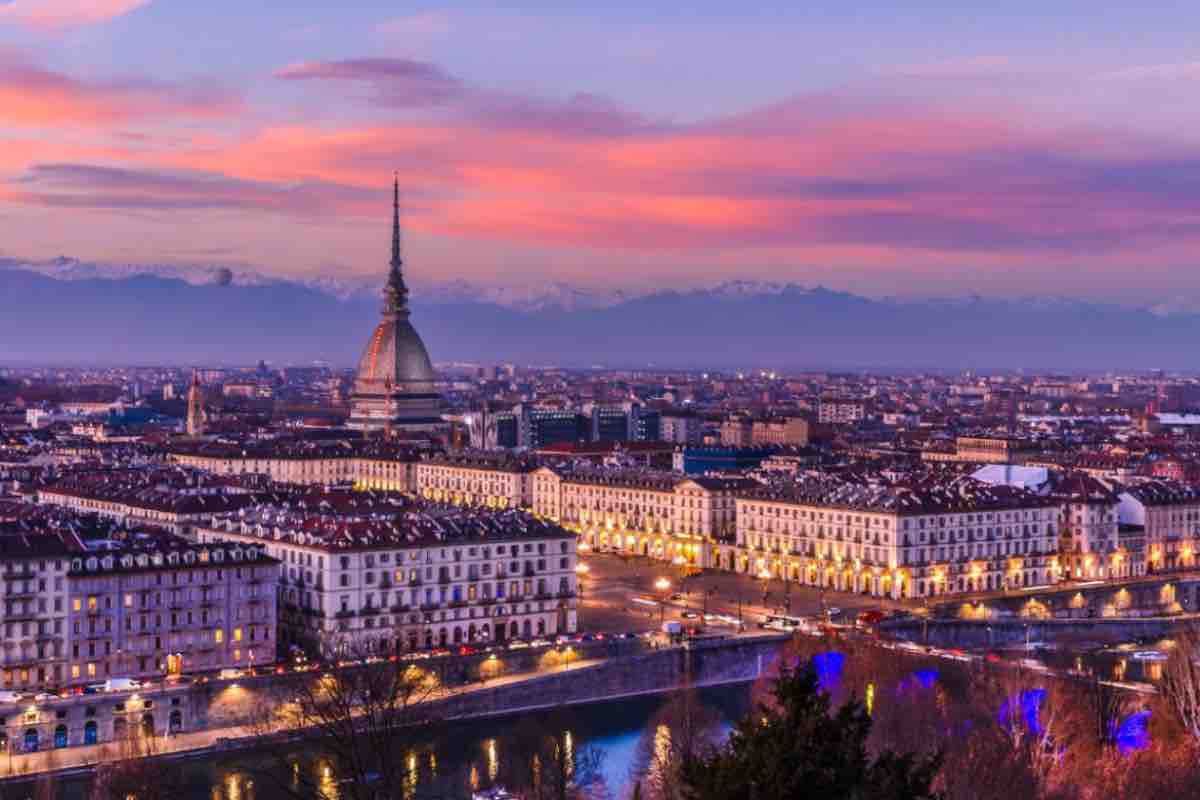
<point>835,179</point>
<point>58,14</point>
<point>33,95</point>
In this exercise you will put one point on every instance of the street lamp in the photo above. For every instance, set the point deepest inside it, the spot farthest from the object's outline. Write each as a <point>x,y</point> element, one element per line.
<point>581,570</point>
<point>663,585</point>
<point>765,577</point>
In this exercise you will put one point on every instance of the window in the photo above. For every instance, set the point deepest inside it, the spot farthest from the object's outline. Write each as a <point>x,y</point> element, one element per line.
<point>218,635</point>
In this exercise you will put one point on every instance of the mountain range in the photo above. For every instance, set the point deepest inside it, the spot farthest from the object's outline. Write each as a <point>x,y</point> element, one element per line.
<point>71,312</point>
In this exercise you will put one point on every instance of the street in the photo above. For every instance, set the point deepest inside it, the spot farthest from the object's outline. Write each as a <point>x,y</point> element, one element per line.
<point>611,583</point>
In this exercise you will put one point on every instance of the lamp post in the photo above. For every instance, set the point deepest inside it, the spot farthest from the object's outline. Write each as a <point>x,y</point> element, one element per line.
<point>663,585</point>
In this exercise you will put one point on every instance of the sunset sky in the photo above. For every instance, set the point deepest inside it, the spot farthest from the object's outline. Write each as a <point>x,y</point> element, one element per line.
<point>920,148</point>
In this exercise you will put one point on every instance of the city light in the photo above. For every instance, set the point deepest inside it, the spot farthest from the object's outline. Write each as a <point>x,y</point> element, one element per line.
<point>662,584</point>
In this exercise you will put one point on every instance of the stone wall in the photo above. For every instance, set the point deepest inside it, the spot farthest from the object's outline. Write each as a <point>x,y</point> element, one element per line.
<point>974,634</point>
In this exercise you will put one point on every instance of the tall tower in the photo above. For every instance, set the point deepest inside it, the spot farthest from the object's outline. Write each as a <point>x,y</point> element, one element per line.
<point>196,416</point>
<point>395,388</point>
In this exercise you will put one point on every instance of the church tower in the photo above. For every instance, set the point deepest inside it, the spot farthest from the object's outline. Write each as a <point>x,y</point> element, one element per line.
<point>395,388</point>
<point>196,417</point>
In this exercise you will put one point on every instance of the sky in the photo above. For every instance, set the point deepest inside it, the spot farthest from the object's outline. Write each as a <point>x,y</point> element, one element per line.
<point>929,148</point>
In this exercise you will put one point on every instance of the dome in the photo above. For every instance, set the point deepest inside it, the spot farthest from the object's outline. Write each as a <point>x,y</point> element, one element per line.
<point>395,356</point>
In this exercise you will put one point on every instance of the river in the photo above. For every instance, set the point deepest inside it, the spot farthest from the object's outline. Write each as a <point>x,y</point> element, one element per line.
<point>472,755</point>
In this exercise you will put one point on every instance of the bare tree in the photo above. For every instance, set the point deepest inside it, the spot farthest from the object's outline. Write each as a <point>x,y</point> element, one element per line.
<point>1180,685</point>
<point>363,722</point>
<point>681,732</point>
<point>127,769</point>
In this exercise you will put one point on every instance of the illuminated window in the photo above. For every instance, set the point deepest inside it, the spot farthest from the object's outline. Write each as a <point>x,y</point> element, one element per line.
<point>129,601</point>
<point>237,634</point>
<point>237,655</point>
<point>91,602</point>
<point>74,670</point>
<point>76,604</point>
<point>91,669</point>
<point>218,635</point>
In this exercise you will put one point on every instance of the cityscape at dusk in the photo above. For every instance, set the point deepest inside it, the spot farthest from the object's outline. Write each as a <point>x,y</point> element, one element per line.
<point>599,402</point>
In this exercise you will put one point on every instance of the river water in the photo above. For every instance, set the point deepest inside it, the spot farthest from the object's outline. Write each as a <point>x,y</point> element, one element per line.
<point>472,755</point>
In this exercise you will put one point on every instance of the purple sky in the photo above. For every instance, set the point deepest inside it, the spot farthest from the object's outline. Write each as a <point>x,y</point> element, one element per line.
<point>928,148</point>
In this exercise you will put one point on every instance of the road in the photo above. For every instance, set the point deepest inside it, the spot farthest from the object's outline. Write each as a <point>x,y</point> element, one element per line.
<point>608,589</point>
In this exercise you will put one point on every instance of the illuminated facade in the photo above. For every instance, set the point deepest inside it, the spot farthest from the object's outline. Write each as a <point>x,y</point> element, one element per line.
<point>897,542</point>
<point>476,478</point>
<point>1167,515</point>
<point>430,576</point>
<point>645,512</point>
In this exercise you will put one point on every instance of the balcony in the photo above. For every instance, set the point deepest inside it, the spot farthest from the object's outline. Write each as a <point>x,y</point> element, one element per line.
<point>345,614</point>
<point>430,606</point>
<point>399,609</point>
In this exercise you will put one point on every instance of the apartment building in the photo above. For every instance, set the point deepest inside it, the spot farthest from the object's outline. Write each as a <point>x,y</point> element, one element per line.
<point>133,498</point>
<point>1167,515</point>
<point>495,479</point>
<point>422,575</point>
<point>1091,546</point>
<point>33,574</point>
<point>146,607</point>
<point>894,540</point>
<point>647,512</point>
<point>158,606</point>
<point>370,464</point>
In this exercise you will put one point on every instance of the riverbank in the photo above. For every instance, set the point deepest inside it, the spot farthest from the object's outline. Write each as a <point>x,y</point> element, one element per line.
<point>695,664</point>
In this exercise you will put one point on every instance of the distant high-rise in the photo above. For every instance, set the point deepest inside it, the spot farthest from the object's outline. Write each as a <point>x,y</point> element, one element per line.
<point>395,388</point>
<point>196,416</point>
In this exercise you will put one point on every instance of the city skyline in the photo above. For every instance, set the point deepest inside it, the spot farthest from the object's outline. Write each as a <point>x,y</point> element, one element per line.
<point>947,153</point>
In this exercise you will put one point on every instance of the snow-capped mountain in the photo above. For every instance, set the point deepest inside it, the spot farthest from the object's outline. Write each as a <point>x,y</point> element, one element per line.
<point>68,311</point>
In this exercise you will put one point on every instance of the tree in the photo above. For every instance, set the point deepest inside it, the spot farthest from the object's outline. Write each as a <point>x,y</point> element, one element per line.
<point>1180,684</point>
<point>796,746</point>
<point>364,721</point>
<point>677,735</point>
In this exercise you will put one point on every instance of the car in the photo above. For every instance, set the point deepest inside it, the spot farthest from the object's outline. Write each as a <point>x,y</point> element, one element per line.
<point>689,615</point>
<point>540,643</point>
<point>517,644</point>
<point>676,596</point>
<point>629,635</point>
<point>833,611</point>
<point>587,637</point>
<point>467,650</point>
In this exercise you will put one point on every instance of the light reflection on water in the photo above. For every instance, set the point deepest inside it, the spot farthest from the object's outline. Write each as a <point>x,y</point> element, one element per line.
<point>630,733</point>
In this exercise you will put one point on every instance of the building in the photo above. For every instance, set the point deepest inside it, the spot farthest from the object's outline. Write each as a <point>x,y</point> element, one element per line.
<point>395,387</point>
<point>371,464</point>
<point>1167,515</point>
<point>196,415</point>
<point>145,607</point>
<point>1091,547</point>
<point>841,410</point>
<point>158,607</point>
<point>391,574</point>
<point>137,498</point>
<point>36,646</point>
<point>495,479</point>
<point>895,540</point>
<point>638,511</point>
<point>780,432</point>
<point>680,427</point>
<point>991,449</point>
<point>701,460</point>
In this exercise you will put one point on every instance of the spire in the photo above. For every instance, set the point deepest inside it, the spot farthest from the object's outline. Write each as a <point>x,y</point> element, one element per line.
<point>395,294</point>
<point>396,263</point>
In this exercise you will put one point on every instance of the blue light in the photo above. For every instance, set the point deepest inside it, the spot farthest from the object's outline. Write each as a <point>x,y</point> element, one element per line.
<point>926,678</point>
<point>1024,708</point>
<point>829,669</point>
<point>1132,734</point>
